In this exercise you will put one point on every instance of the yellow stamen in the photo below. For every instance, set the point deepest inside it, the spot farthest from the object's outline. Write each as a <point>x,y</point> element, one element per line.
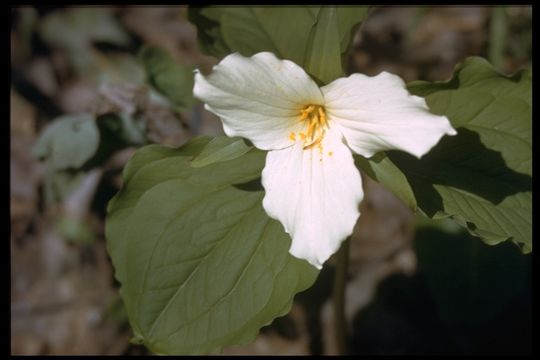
<point>322,117</point>
<point>313,144</point>
<point>314,117</point>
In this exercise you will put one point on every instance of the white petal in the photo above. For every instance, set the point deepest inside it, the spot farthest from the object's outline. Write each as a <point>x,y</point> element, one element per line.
<point>314,195</point>
<point>377,113</point>
<point>258,97</point>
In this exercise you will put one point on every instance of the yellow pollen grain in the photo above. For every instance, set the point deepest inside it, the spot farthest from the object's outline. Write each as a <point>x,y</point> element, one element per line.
<point>330,153</point>
<point>292,136</point>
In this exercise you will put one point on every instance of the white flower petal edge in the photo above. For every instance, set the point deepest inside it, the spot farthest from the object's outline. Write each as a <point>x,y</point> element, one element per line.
<point>315,194</point>
<point>258,98</point>
<point>378,113</point>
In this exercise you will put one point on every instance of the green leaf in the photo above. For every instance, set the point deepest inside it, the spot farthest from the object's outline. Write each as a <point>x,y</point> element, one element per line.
<point>73,144</point>
<point>380,168</point>
<point>169,78</point>
<point>350,19</point>
<point>209,36</point>
<point>69,141</point>
<point>331,38</point>
<point>323,58</point>
<point>288,30</point>
<point>200,263</point>
<point>312,36</point>
<point>221,148</point>
<point>482,177</point>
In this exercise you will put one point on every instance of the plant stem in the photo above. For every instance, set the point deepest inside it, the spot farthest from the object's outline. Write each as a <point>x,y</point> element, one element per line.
<point>340,282</point>
<point>497,37</point>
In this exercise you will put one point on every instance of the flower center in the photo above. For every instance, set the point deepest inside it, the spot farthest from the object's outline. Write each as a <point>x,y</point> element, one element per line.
<point>316,123</point>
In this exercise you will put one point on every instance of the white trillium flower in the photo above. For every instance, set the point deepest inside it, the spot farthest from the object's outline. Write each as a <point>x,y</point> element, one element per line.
<point>312,185</point>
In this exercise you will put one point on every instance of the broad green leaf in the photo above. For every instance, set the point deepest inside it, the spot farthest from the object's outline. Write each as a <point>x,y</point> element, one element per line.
<point>288,28</point>
<point>209,37</point>
<point>252,29</point>
<point>314,37</point>
<point>331,40</point>
<point>323,58</point>
<point>171,79</point>
<point>482,177</point>
<point>350,18</point>
<point>219,149</point>
<point>200,263</point>
<point>69,141</point>
<point>141,158</point>
<point>381,169</point>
